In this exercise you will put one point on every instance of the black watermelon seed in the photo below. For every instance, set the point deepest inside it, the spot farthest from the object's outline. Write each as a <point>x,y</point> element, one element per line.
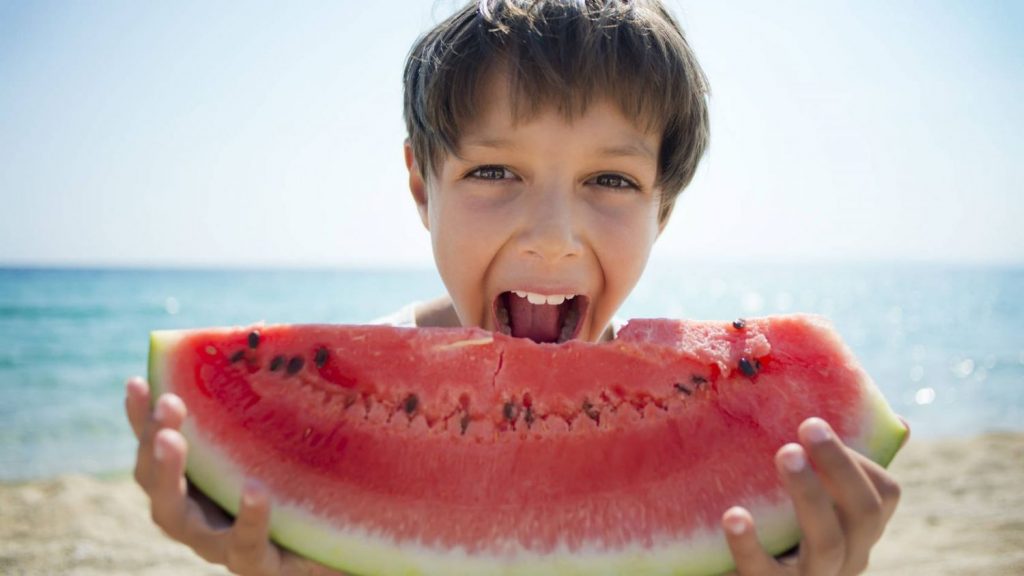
<point>590,411</point>
<point>276,363</point>
<point>321,357</point>
<point>254,339</point>
<point>739,323</point>
<point>237,356</point>
<point>464,423</point>
<point>749,368</point>
<point>683,389</point>
<point>510,411</point>
<point>294,365</point>
<point>528,417</point>
<point>698,380</point>
<point>410,403</point>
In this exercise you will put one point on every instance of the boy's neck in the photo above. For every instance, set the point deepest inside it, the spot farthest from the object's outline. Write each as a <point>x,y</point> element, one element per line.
<point>439,312</point>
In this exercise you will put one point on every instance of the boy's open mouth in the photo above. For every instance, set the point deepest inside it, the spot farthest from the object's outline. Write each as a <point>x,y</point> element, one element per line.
<point>529,315</point>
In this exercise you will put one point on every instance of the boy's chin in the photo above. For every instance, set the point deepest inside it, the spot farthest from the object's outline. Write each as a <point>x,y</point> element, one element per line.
<point>543,323</point>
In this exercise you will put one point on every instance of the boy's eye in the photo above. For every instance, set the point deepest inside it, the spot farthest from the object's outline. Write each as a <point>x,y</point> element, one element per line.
<point>491,173</point>
<point>614,181</point>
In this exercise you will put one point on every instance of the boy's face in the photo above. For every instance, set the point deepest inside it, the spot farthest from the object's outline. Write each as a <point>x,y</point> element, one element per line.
<point>543,207</point>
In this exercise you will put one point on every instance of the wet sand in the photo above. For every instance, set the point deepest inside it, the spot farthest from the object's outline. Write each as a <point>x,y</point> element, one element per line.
<point>962,512</point>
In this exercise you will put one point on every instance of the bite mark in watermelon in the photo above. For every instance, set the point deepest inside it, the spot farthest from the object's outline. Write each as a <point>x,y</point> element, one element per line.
<point>460,451</point>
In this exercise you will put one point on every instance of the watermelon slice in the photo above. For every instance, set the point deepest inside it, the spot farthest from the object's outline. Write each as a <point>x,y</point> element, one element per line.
<point>465,452</point>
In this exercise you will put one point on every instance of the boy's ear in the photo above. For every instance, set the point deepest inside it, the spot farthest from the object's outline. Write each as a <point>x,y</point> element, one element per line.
<point>416,184</point>
<point>664,219</point>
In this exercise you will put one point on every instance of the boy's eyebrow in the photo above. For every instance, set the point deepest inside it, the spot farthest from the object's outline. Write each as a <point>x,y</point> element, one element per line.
<point>639,149</point>
<point>490,143</point>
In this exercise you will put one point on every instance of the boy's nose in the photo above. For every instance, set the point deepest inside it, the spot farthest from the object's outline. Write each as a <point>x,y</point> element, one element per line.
<point>550,230</point>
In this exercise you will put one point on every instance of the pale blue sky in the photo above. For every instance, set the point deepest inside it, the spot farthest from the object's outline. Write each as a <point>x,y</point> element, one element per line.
<point>269,133</point>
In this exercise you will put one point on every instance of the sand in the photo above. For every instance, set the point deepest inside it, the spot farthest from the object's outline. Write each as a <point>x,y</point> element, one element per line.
<point>962,512</point>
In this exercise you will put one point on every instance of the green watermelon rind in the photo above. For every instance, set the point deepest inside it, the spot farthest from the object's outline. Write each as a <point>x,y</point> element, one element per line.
<point>887,431</point>
<point>361,553</point>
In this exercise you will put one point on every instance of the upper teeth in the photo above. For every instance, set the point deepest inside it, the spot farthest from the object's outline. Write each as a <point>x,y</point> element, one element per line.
<point>534,298</point>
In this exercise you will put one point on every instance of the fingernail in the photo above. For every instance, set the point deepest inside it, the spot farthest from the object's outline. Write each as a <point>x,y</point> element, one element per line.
<point>251,492</point>
<point>817,431</point>
<point>734,522</point>
<point>793,458</point>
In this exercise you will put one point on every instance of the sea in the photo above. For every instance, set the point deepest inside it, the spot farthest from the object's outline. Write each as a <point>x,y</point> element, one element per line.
<point>944,343</point>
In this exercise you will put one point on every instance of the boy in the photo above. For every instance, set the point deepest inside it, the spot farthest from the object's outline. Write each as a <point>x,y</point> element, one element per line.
<point>547,144</point>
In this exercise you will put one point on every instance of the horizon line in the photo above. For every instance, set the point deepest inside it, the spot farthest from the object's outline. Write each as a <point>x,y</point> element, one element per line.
<point>429,267</point>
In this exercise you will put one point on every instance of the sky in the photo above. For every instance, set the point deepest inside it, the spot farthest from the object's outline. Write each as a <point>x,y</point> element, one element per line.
<point>270,134</point>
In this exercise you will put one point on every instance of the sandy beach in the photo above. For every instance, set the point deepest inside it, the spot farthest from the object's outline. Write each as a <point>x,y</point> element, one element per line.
<point>962,512</point>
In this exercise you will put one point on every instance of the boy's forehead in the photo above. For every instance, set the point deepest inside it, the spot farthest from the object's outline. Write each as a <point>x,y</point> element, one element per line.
<point>498,115</point>
<point>494,104</point>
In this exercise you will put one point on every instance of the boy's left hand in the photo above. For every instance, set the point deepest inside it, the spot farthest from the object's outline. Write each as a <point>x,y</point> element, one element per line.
<point>842,501</point>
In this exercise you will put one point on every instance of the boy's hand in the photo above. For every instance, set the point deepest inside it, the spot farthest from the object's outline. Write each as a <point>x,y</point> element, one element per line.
<point>188,516</point>
<point>842,501</point>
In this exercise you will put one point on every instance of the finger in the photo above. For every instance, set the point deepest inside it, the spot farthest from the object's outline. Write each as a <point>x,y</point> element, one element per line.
<point>172,509</point>
<point>160,470</point>
<point>823,549</point>
<point>249,550</point>
<point>136,404</point>
<point>747,552</point>
<point>166,485</point>
<point>169,413</point>
<point>858,504</point>
<point>884,483</point>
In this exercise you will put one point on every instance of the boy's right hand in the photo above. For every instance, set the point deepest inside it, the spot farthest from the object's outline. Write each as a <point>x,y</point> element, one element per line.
<point>188,516</point>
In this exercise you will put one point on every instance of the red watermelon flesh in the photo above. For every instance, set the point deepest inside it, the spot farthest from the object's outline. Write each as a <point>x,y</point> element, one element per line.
<point>460,451</point>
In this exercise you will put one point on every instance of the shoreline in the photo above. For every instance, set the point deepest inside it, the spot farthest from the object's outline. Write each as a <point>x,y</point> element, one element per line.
<point>961,512</point>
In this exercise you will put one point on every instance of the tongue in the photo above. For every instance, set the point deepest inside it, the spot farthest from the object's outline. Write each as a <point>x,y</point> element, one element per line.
<point>538,322</point>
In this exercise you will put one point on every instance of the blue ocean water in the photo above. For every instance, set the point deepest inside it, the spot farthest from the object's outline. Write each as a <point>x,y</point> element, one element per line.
<point>944,344</point>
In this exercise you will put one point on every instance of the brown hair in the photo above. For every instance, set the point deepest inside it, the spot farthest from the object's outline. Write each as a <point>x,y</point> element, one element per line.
<point>562,53</point>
